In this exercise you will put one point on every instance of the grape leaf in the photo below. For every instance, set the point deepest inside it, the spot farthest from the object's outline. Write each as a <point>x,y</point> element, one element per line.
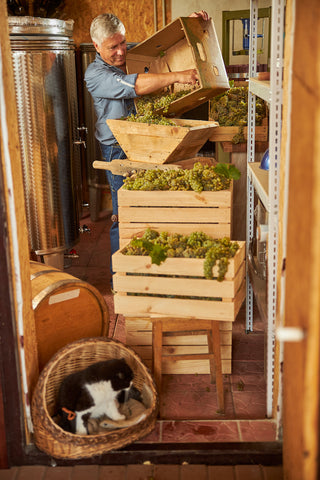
<point>227,170</point>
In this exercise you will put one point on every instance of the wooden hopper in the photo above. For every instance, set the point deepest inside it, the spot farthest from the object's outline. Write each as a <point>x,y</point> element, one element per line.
<point>158,144</point>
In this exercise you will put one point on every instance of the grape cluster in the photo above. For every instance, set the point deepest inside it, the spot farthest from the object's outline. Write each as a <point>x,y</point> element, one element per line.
<point>196,245</point>
<point>161,101</point>
<point>231,108</point>
<point>149,108</point>
<point>200,177</point>
<point>150,117</point>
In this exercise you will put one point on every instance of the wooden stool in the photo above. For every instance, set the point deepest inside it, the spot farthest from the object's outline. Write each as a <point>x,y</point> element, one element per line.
<point>183,326</point>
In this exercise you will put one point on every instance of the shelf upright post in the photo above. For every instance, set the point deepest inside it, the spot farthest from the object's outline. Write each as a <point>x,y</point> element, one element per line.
<point>276,68</point>
<point>251,152</point>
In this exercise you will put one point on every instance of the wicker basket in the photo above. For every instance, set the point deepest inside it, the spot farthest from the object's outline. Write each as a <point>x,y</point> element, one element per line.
<point>56,442</point>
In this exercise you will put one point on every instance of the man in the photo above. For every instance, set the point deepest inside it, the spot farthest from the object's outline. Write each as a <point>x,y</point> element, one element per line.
<point>113,92</point>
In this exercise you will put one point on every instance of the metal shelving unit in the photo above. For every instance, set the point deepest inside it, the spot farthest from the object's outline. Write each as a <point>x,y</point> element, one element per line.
<point>266,183</point>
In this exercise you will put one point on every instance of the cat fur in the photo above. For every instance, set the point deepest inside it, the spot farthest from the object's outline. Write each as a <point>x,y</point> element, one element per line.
<point>93,393</point>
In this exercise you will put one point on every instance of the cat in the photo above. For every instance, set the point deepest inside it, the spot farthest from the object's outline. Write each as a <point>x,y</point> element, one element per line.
<point>94,392</point>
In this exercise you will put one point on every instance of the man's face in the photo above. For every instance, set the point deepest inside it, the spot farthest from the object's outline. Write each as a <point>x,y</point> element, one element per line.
<point>113,50</point>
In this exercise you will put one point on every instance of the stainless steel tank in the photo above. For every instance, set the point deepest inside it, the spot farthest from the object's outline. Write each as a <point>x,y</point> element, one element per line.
<point>96,178</point>
<point>44,67</point>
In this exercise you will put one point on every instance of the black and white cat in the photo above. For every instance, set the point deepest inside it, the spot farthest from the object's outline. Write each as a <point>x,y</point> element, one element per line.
<point>94,392</point>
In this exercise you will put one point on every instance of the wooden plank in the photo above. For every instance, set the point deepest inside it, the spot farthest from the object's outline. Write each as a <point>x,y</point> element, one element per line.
<point>16,225</point>
<point>139,323</point>
<point>167,198</point>
<point>144,337</point>
<point>145,351</point>
<point>142,305</point>
<point>180,215</point>
<point>182,367</point>
<point>226,134</point>
<point>179,286</point>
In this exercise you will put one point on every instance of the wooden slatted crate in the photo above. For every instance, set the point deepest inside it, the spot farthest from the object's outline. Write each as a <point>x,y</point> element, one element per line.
<point>177,287</point>
<point>183,44</point>
<point>159,144</point>
<point>139,337</point>
<point>227,134</point>
<point>174,212</point>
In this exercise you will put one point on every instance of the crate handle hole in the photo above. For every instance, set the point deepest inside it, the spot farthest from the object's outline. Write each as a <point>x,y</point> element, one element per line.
<point>201,52</point>
<point>215,70</point>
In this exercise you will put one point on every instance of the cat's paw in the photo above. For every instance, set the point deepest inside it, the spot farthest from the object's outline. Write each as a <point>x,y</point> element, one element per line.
<point>118,417</point>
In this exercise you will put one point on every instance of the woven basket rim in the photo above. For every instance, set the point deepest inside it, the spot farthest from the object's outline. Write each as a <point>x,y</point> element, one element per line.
<point>73,346</point>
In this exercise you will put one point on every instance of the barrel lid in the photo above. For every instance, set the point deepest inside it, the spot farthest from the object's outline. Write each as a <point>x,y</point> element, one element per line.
<point>39,26</point>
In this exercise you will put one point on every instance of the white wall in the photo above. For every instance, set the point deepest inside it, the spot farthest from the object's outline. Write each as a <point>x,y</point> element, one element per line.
<point>183,8</point>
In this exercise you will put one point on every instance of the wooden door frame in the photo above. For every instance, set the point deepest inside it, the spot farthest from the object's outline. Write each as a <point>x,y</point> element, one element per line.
<point>302,297</point>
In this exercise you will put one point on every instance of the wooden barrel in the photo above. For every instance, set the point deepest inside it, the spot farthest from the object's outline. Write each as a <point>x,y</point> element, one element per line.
<point>65,308</point>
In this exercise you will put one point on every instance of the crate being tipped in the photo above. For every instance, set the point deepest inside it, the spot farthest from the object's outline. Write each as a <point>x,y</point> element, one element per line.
<point>150,143</point>
<point>186,43</point>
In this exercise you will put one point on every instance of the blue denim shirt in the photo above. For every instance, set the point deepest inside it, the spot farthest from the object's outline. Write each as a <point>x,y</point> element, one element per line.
<point>112,92</point>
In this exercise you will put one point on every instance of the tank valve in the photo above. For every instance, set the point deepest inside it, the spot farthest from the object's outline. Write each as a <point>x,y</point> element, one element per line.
<point>71,254</point>
<point>84,229</point>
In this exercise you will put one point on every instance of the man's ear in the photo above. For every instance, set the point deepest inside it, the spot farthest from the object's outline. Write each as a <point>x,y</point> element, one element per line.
<point>96,46</point>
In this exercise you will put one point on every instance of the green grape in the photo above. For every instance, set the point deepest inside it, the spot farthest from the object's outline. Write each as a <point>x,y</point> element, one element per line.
<point>200,177</point>
<point>231,108</point>
<point>195,245</point>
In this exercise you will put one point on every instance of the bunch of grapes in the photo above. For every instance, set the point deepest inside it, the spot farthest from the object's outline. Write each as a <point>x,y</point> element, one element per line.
<point>231,108</point>
<point>195,245</point>
<point>200,177</point>
<point>149,108</point>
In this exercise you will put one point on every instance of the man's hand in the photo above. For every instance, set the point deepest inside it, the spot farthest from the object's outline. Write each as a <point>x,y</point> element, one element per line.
<point>151,82</point>
<point>202,14</point>
<point>187,76</point>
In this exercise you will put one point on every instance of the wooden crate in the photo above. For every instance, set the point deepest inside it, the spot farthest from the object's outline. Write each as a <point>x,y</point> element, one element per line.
<point>139,337</point>
<point>177,288</point>
<point>159,144</point>
<point>183,44</point>
<point>175,212</point>
<point>226,134</point>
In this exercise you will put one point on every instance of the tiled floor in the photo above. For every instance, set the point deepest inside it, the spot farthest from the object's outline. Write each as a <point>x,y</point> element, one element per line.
<point>191,416</point>
<point>144,472</point>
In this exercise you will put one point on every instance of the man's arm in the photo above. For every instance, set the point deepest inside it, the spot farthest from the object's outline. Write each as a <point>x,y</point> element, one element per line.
<point>150,82</point>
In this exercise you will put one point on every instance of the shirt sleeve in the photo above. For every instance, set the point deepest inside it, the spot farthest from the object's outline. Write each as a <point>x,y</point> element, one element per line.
<point>104,83</point>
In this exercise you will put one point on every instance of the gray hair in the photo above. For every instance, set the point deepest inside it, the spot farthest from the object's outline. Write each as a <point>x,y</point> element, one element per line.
<point>104,26</point>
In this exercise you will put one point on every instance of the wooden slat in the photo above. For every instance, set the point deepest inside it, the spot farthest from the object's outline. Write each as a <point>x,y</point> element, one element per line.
<point>140,337</point>
<point>178,286</point>
<point>141,305</point>
<point>174,198</point>
<point>183,215</point>
<point>16,225</point>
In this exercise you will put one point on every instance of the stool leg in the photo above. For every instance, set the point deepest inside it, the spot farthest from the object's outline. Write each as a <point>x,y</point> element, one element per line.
<point>215,331</point>
<point>157,352</point>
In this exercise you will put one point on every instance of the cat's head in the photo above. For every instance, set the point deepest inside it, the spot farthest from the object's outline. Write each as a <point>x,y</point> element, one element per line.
<point>123,376</point>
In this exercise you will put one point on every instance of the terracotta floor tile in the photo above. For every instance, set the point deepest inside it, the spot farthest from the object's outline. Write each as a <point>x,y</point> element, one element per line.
<point>58,473</point>
<point>30,472</point>
<point>258,431</point>
<point>221,472</point>
<point>190,472</point>
<point>83,472</point>
<point>249,404</point>
<point>166,472</point>
<point>248,472</point>
<point>152,437</point>
<point>107,472</point>
<point>139,472</point>
<point>188,431</point>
